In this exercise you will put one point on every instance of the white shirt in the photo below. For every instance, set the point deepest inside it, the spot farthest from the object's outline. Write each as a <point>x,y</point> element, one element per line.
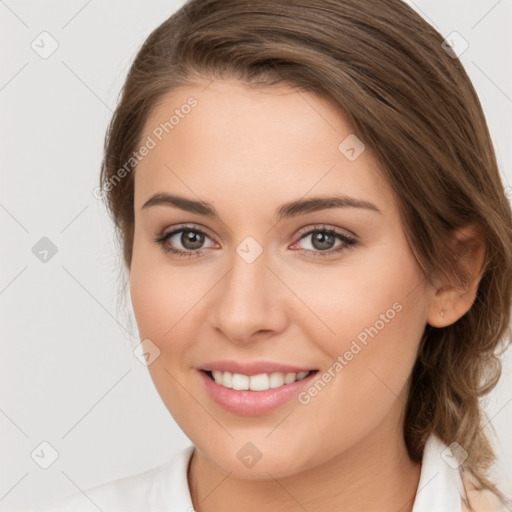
<point>165,488</point>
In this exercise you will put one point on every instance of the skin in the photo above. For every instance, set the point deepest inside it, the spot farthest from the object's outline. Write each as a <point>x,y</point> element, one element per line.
<point>247,152</point>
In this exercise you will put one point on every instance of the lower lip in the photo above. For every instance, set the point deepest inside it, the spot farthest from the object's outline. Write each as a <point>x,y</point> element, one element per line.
<point>253,403</point>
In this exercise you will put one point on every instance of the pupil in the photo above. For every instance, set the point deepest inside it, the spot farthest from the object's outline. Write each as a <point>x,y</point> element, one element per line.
<point>322,240</point>
<point>192,240</point>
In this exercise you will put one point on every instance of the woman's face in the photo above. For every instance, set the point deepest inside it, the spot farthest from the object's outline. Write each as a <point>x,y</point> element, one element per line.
<point>262,288</point>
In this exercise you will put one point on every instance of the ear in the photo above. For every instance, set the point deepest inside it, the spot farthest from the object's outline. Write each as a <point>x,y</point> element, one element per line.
<point>449,303</point>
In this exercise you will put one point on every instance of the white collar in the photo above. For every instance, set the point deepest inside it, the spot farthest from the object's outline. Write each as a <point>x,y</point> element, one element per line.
<point>440,488</point>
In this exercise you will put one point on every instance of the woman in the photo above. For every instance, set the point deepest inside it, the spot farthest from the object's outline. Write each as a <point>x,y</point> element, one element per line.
<point>320,259</point>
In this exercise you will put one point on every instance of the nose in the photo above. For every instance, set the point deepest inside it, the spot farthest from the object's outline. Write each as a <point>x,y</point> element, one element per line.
<point>250,301</point>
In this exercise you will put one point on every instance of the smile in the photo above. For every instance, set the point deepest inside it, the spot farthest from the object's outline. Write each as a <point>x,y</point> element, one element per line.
<point>260,382</point>
<point>253,395</point>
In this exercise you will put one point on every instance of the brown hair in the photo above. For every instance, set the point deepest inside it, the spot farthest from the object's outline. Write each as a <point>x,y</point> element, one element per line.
<point>411,102</point>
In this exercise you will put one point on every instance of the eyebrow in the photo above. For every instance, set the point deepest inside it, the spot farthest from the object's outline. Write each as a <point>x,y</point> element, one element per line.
<point>290,209</point>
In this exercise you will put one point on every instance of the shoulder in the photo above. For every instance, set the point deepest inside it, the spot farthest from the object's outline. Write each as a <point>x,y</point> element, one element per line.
<point>154,489</point>
<point>480,500</point>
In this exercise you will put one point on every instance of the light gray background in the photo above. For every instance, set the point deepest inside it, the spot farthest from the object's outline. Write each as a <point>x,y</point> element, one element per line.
<point>68,375</point>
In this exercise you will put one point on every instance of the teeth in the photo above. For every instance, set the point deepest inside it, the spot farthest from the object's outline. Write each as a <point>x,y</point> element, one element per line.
<point>227,379</point>
<point>260,382</point>
<point>276,380</point>
<point>239,381</point>
<point>289,378</point>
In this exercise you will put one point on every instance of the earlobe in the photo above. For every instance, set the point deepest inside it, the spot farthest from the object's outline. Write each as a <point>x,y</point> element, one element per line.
<point>452,302</point>
<point>441,308</point>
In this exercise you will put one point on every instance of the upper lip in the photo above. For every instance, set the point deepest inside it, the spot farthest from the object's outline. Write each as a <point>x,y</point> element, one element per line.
<point>252,367</point>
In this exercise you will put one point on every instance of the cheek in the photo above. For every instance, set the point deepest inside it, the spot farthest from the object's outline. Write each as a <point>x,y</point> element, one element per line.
<point>374,293</point>
<point>162,294</point>
<point>161,298</point>
<point>376,314</point>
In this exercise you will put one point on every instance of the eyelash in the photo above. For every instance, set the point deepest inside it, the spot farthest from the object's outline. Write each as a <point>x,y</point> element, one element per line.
<point>348,242</point>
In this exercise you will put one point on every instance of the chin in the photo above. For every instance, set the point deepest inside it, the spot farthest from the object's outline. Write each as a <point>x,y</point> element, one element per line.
<point>246,463</point>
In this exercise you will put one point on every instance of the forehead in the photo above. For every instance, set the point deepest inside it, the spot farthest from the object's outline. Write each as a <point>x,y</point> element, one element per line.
<point>223,139</point>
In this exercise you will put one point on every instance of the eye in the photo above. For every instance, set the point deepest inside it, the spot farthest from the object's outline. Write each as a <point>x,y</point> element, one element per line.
<point>189,241</point>
<point>323,241</point>
<point>190,238</point>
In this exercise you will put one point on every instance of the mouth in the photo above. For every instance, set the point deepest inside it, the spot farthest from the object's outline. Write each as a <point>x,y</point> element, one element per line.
<point>254,395</point>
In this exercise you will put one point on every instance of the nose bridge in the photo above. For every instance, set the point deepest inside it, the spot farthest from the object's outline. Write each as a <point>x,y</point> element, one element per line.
<point>247,300</point>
